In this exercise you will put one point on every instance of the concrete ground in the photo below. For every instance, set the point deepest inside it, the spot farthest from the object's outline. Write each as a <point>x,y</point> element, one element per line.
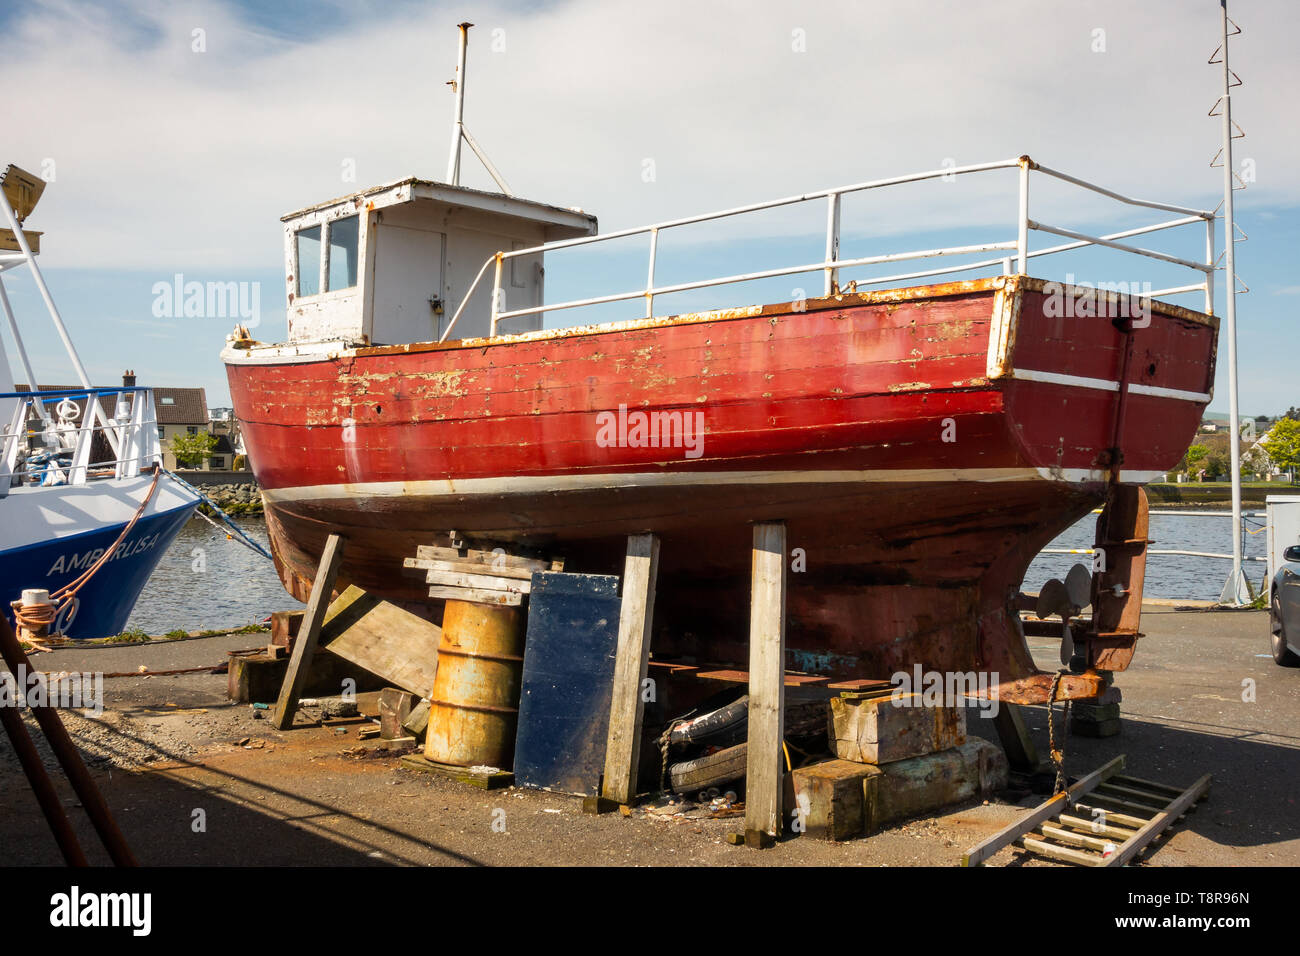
<point>194,779</point>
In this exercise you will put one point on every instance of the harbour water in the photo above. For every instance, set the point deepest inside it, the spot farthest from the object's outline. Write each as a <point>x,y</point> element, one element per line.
<point>1174,576</point>
<point>206,581</point>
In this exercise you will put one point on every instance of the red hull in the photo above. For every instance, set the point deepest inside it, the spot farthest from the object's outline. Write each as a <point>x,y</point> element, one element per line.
<point>921,444</point>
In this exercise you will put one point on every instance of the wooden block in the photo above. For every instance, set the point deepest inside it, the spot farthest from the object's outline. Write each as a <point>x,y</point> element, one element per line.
<point>476,595</point>
<point>284,627</point>
<point>418,720</point>
<point>483,779</point>
<point>883,729</point>
<point>922,784</point>
<point>828,798</point>
<point>399,646</point>
<point>395,706</point>
<point>254,678</point>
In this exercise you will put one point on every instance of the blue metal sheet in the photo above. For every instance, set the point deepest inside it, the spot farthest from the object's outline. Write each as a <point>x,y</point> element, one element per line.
<point>568,680</point>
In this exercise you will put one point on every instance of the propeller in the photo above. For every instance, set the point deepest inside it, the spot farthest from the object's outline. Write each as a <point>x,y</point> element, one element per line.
<point>1066,599</point>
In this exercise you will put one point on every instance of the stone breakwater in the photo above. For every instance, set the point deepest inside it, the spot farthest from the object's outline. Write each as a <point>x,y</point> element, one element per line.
<point>242,498</point>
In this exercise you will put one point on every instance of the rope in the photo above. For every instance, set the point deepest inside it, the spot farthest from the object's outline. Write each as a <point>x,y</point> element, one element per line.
<point>663,750</point>
<point>239,534</point>
<point>1058,756</point>
<point>31,619</point>
<point>35,618</point>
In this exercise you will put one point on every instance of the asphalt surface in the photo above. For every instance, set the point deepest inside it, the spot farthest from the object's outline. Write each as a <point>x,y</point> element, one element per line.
<point>195,780</point>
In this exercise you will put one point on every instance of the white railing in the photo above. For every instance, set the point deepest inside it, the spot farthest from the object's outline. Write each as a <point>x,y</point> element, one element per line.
<point>50,436</point>
<point>832,264</point>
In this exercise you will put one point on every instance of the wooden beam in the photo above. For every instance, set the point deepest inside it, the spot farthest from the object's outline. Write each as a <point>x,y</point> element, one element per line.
<point>631,662</point>
<point>763,777</point>
<point>383,638</point>
<point>308,632</point>
<point>1022,755</point>
<point>488,582</point>
<point>477,595</point>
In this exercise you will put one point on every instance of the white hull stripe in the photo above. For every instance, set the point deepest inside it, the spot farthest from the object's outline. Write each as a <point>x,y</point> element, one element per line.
<point>31,515</point>
<point>535,484</point>
<point>1079,381</point>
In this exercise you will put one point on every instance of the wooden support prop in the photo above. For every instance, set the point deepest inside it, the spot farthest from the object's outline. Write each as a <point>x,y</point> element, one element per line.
<point>309,632</point>
<point>69,757</point>
<point>763,777</point>
<point>42,786</point>
<point>631,663</point>
<point>1022,755</point>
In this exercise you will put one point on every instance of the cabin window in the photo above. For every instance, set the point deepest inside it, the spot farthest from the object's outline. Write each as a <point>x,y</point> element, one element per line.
<point>343,239</point>
<point>308,251</point>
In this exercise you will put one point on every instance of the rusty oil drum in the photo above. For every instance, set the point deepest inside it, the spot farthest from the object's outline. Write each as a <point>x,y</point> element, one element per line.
<point>474,706</point>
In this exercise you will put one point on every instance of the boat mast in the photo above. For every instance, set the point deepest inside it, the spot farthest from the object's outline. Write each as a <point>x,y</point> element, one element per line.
<point>25,253</point>
<point>458,130</point>
<point>458,110</point>
<point>1235,590</point>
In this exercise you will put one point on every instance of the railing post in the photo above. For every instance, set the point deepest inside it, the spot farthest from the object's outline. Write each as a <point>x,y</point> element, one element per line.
<point>832,243</point>
<point>1022,232</point>
<point>650,275</point>
<point>1209,261</point>
<point>496,293</point>
<point>17,433</point>
<point>77,474</point>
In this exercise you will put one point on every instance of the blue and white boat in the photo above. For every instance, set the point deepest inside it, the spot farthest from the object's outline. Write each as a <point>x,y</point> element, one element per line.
<point>77,467</point>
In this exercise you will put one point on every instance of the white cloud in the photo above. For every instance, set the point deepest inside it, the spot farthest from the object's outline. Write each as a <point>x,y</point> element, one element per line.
<point>169,158</point>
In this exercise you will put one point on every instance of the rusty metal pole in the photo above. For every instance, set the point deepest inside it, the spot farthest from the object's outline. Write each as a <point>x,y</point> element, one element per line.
<point>42,787</point>
<point>69,759</point>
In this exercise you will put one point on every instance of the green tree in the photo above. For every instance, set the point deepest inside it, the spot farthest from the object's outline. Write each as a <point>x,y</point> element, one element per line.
<point>192,450</point>
<point>1283,444</point>
<point>1194,460</point>
<point>1216,466</point>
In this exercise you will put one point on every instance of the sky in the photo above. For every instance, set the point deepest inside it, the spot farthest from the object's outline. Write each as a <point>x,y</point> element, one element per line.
<point>173,136</point>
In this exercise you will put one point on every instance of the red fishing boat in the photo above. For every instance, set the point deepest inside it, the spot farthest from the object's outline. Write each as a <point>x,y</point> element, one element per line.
<point>922,442</point>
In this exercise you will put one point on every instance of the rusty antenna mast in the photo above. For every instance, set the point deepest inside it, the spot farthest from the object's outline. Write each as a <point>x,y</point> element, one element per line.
<point>1235,590</point>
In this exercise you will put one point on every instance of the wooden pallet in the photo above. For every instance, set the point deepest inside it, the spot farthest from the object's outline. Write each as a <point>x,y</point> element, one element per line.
<point>1108,819</point>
